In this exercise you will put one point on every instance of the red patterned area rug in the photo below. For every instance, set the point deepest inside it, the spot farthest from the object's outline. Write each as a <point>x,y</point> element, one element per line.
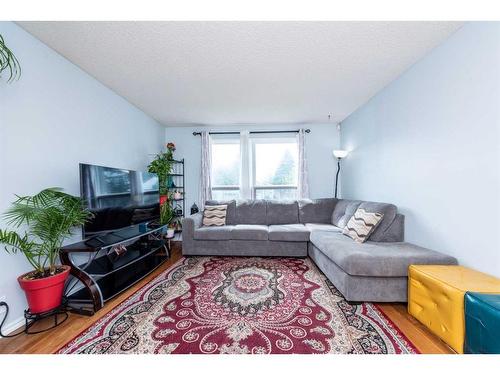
<point>241,305</point>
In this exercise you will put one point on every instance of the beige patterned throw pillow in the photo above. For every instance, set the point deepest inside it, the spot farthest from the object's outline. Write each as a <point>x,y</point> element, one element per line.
<point>214,215</point>
<point>362,224</point>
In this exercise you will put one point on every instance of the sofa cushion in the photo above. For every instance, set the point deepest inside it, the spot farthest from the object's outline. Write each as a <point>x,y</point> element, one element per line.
<point>316,210</point>
<point>288,232</point>
<point>387,259</point>
<point>230,212</point>
<point>361,225</point>
<point>322,227</point>
<point>250,232</point>
<point>251,212</point>
<point>213,233</point>
<point>343,211</point>
<point>388,210</point>
<point>396,232</point>
<point>286,212</point>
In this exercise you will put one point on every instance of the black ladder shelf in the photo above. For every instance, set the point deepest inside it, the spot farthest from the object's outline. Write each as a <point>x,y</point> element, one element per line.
<point>178,179</point>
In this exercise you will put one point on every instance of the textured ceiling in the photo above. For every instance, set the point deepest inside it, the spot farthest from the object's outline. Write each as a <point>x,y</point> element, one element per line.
<point>243,72</point>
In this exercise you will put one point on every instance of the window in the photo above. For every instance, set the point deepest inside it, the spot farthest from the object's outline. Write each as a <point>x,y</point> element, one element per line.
<point>225,167</point>
<point>272,167</point>
<point>275,168</point>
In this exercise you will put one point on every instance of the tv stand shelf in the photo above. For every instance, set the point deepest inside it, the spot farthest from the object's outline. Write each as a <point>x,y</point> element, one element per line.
<point>103,266</point>
<point>103,273</point>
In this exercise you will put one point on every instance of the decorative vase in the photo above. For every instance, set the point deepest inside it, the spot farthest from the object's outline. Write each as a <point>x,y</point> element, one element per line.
<point>170,182</point>
<point>44,294</point>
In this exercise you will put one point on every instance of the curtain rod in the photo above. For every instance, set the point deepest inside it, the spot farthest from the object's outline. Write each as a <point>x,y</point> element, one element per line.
<point>258,132</point>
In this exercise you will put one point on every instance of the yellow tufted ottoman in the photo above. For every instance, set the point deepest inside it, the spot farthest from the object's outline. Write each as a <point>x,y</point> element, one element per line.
<point>436,298</point>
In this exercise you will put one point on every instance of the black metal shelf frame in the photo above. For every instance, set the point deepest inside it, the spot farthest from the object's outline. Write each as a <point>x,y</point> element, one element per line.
<point>179,175</point>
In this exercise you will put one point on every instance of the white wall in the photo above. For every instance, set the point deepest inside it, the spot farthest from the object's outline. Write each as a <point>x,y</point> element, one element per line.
<point>53,118</point>
<point>430,143</point>
<point>320,143</point>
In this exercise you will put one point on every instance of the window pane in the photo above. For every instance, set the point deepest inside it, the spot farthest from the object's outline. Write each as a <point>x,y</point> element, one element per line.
<point>225,195</point>
<point>276,163</point>
<point>225,164</point>
<point>276,194</point>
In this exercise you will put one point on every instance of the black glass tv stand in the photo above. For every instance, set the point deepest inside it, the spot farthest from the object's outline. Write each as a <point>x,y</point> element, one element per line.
<point>108,264</point>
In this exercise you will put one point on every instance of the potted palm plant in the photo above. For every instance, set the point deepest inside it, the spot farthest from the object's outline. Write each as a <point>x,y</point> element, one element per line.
<point>44,221</point>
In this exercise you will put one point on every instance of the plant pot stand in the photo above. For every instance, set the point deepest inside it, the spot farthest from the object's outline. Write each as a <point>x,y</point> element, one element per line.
<point>59,314</point>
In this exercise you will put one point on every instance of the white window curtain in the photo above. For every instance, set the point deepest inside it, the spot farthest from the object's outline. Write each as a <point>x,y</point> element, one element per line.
<point>245,178</point>
<point>205,189</point>
<point>303,181</point>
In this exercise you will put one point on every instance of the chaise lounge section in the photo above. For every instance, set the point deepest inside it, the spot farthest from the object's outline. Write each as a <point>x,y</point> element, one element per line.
<point>372,271</point>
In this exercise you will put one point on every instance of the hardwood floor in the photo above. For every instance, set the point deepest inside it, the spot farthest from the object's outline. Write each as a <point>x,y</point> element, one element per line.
<point>425,341</point>
<point>51,341</point>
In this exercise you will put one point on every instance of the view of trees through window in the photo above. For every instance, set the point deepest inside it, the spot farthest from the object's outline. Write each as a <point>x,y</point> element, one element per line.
<point>225,170</point>
<point>276,164</point>
<point>225,164</point>
<point>285,174</point>
<point>274,173</point>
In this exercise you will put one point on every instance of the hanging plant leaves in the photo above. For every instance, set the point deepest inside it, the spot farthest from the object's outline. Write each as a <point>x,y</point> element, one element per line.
<point>8,62</point>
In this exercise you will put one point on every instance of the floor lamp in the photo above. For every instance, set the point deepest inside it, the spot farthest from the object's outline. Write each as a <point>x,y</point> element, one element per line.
<point>339,154</point>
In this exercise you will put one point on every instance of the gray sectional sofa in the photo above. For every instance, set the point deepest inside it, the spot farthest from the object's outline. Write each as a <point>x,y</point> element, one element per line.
<point>373,271</point>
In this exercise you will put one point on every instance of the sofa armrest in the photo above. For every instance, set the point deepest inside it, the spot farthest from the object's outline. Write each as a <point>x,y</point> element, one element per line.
<point>190,224</point>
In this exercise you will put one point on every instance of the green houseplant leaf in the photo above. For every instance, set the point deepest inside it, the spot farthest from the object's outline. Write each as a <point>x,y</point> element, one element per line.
<point>166,213</point>
<point>8,62</point>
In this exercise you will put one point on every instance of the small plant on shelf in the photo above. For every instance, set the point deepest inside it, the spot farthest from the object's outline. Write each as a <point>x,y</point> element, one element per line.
<point>46,219</point>
<point>166,213</point>
<point>171,230</point>
<point>177,224</point>
<point>168,216</point>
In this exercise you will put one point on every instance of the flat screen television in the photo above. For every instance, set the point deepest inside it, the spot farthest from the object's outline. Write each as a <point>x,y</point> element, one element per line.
<point>118,198</point>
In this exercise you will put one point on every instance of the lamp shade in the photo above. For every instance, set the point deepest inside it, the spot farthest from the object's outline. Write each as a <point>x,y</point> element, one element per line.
<point>340,154</point>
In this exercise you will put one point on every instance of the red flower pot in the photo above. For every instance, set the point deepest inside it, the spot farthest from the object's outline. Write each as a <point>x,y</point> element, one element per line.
<point>44,294</point>
<point>163,199</point>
